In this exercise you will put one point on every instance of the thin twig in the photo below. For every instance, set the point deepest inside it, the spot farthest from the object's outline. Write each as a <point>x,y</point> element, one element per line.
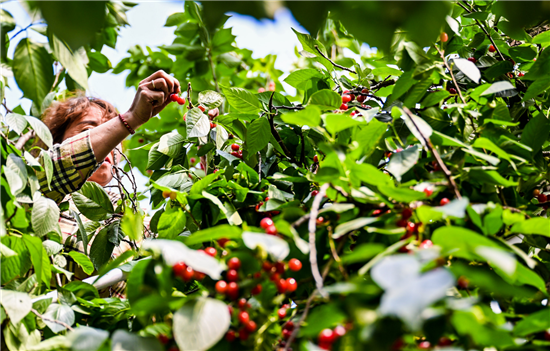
<point>312,228</point>
<point>298,107</point>
<point>335,254</point>
<point>334,63</point>
<point>213,70</point>
<point>442,54</point>
<point>276,133</point>
<point>6,106</point>
<point>51,320</point>
<point>23,139</point>
<point>56,77</point>
<point>259,167</point>
<point>190,106</point>
<point>24,29</point>
<point>440,162</point>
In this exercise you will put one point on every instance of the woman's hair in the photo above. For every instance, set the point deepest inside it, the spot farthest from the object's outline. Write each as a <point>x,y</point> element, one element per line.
<point>59,116</point>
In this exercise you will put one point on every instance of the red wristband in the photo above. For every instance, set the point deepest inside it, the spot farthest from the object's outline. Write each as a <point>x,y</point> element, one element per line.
<point>130,129</point>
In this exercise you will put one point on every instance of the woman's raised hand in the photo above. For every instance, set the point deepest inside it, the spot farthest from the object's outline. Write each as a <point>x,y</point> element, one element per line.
<point>152,96</point>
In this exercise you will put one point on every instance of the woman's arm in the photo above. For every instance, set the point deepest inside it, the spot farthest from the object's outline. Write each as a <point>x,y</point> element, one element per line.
<point>152,97</point>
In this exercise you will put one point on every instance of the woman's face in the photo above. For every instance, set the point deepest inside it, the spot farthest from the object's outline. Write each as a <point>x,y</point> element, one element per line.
<point>91,119</point>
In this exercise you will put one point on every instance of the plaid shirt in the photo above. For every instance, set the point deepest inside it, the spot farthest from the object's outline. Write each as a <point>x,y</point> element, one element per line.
<point>73,163</point>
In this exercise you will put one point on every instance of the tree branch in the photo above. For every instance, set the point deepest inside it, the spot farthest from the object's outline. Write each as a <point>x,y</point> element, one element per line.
<point>429,145</point>
<point>23,139</point>
<point>190,106</point>
<point>312,226</point>
<point>334,63</point>
<point>51,320</point>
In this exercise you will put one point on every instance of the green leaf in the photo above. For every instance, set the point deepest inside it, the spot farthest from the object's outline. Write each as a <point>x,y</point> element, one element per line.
<point>83,261</point>
<point>58,312</point>
<point>122,340</point>
<point>402,194</point>
<point>497,87</point>
<point>16,304</point>
<point>386,71</point>
<point>214,233</point>
<point>48,166</point>
<point>175,19</point>
<point>321,317</point>
<point>82,233</point>
<point>242,100</point>
<point>257,135</point>
<point>461,242</point>
<point>434,98</point>
<point>401,162</point>
<point>86,338</point>
<point>232,216</point>
<point>363,252</point>
<point>16,121</point>
<point>490,177</point>
<point>197,123</point>
<point>368,137</point>
<point>536,132</point>
<point>538,225</point>
<point>45,215</point>
<point>98,62</point>
<point>210,99</point>
<point>533,323</point>
<point>417,92</point>
<point>41,130</point>
<point>156,159</point>
<point>300,76</point>
<point>33,70</point>
<point>171,144</point>
<point>93,202</point>
<point>200,324</point>
<point>335,123</point>
<point>414,123</point>
<point>102,247</point>
<point>499,69</point>
<point>354,224</point>
<point>537,87</point>
<point>326,99</point>
<point>369,174</point>
<point>171,223</point>
<point>72,62</point>
<point>16,173</point>
<point>276,247</point>
<point>132,225</point>
<point>310,116</point>
<point>39,258</point>
<point>468,68</point>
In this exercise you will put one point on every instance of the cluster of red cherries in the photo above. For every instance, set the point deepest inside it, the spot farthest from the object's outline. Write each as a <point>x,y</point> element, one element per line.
<point>236,151</point>
<point>542,198</point>
<point>348,97</point>
<point>270,87</point>
<point>327,337</point>
<point>177,98</point>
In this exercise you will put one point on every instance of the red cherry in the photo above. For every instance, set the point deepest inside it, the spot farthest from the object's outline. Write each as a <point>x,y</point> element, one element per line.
<point>244,317</point>
<point>275,277</point>
<point>424,345</point>
<point>401,223</point>
<point>221,287</point>
<point>232,275</point>
<point>266,266</point>
<point>201,108</point>
<point>463,282</point>
<point>256,290</point>
<point>472,59</point>
<point>271,230</point>
<point>294,264</point>
<point>315,159</point>
<point>346,98</point>
<point>266,222</point>
<point>280,267</point>
<point>326,336</point>
<point>266,198</point>
<point>426,244</point>
<point>213,113</point>
<point>234,263</point>
<point>492,48</point>
<point>444,37</point>
<point>361,98</point>
<point>365,91</point>
<point>235,153</point>
<point>521,74</point>
<point>340,331</point>
<point>181,101</point>
<point>398,345</point>
<point>444,341</point>
<point>542,198</point>
<point>547,335</point>
<point>250,326</point>
<point>212,125</point>
<point>286,332</point>
<point>314,192</point>
<point>261,90</point>
<point>199,275</point>
<point>140,140</point>
<point>428,192</point>
<point>174,97</point>
<point>210,251</point>
<point>406,213</point>
<point>289,325</point>
<point>179,268</point>
<point>243,334</point>
<point>452,91</point>
<point>163,339</point>
<point>243,304</point>
<point>282,285</point>
<point>376,213</point>
<point>325,346</point>
<point>222,241</point>
<point>320,220</point>
<point>235,147</point>
<point>292,285</point>
<point>232,290</point>
<point>281,312</point>
<point>230,336</point>
<point>411,227</point>
<point>352,97</point>
<point>444,201</point>
<point>188,274</point>
<point>193,160</point>
<point>271,86</point>
<point>343,107</point>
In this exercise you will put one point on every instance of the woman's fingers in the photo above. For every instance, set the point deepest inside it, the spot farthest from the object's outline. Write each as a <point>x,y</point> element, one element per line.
<point>160,85</point>
<point>171,82</point>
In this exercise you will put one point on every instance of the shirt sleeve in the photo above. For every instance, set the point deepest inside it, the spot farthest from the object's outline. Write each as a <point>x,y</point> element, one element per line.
<point>73,163</point>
